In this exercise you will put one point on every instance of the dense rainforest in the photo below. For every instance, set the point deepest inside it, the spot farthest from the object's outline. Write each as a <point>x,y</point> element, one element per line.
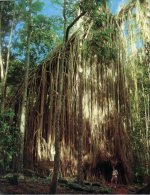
<point>74,96</point>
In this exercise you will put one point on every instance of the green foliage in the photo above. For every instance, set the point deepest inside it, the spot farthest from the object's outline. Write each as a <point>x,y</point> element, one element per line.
<point>105,190</point>
<point>139,172</point>
<point>91,6</point>
<point>15,72</point>
<point>62,21</point>
<point>42,39</point>
<point>101,41</point>
<point>43,36</point>
<point>37,6</point>
<point>6,17</point>
<point>88,6</point>
<point>10,137</point>
<point>101,35</point>
<point>6,9</point>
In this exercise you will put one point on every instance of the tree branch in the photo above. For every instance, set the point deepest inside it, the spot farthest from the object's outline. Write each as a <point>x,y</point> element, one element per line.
<point>74,21</point>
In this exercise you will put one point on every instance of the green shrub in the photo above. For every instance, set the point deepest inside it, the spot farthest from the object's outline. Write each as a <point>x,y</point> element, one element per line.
<point>10,137</point>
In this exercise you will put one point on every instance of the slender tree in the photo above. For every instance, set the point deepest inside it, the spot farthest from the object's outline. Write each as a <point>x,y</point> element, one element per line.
<point>4,61</point>
<point>1,59</point>
<point>26,76</point>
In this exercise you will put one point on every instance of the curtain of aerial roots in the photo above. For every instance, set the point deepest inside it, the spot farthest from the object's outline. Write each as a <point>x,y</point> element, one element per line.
<point>94,98</point>
<point>95,108</point>
<point>142,19</point>
<point>137,51</point>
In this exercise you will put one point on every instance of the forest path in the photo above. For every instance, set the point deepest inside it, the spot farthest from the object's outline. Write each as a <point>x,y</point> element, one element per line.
<point>120,190</point>
<point>41,186</point>
<point>126,189</point>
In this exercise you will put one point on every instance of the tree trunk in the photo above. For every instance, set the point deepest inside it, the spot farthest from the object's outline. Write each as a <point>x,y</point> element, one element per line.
<point>1,59</point>
<point>53,185</point>
<point>24,99</point>
<point>4,77</point>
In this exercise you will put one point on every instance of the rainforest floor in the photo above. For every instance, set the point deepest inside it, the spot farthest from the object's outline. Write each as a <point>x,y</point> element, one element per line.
<point>35,185</point>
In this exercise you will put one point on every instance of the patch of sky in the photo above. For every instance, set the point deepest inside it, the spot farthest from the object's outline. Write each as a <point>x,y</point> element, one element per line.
<point>115,5</point>
<point>19,26</point>
<point>50,9</point>
<point>19,53</point>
